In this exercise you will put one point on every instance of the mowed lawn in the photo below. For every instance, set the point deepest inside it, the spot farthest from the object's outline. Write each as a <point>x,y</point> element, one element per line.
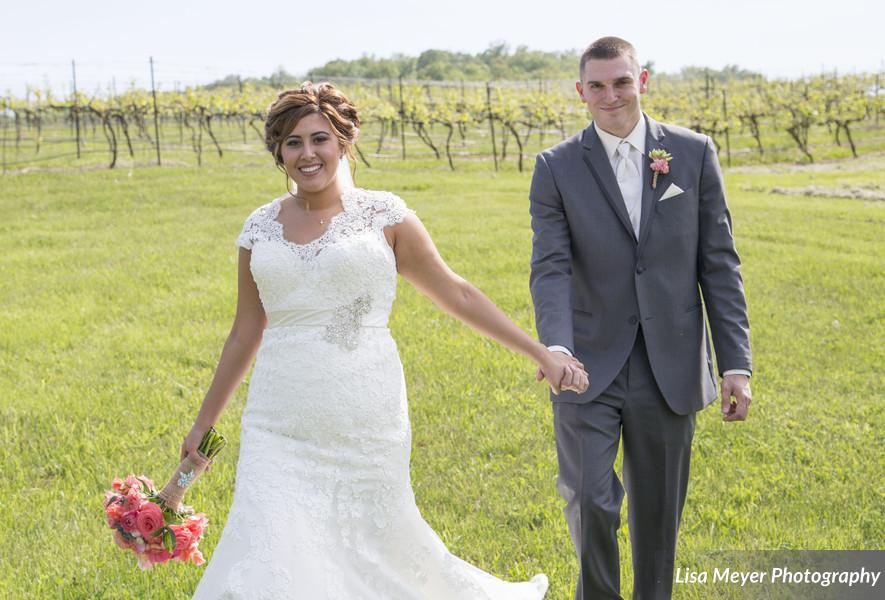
<point>118,290</point>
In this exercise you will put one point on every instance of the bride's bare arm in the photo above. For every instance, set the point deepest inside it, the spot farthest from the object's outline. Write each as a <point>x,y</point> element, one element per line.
<point>239,349</point>
<point>419,262</point>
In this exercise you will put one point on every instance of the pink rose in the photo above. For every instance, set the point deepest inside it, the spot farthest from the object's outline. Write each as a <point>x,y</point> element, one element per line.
<point>183,540</point>
<point>661,165</point>
<point>129,521</point>
<point>186,547</point>
<point>117,484</point>
<point>114,511</point>
<point>133,482</point>
<point>156,553</point>
<point>149,483</point>
<point>132,500</point>
<point>150,519</point>
<point>196,524</point>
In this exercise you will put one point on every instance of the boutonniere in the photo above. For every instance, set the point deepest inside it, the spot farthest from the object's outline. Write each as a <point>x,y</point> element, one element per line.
<point>660,160</point>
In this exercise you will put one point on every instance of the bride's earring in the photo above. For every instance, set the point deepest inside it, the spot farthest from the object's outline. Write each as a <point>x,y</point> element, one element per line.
<point>289,183</point>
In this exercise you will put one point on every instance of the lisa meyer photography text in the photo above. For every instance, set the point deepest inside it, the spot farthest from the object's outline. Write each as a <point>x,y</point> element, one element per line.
<point>777,575</point>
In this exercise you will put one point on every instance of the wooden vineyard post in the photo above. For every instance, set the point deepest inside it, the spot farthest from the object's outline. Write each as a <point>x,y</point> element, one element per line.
<point>402,118</point>
<point>725,116</point>
<point>6,112</point>
<point>75,107</point>
<point>491,122</point>
<point>876,97</point>
<point>156,114</point>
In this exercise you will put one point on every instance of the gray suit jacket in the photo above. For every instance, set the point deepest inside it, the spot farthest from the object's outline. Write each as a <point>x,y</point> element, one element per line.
<point>594,284</point>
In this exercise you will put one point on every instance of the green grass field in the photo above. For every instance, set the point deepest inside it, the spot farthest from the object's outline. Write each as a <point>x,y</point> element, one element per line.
<point>118,290</point>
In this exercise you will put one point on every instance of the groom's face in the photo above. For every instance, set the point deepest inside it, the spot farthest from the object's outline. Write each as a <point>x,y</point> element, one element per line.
<point>611,88</point>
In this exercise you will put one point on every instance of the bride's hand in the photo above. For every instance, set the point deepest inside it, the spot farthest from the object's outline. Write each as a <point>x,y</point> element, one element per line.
<point>563,372</point>
<point>191,443</point>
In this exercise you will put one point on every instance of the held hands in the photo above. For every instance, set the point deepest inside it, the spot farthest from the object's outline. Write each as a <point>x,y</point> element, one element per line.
<point>739,387</point>
<point>563,372</point>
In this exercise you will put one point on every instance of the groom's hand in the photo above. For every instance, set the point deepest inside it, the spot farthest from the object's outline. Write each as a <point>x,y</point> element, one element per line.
<point>737,386</point>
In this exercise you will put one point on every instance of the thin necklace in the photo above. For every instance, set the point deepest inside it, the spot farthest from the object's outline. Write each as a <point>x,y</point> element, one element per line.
<point>307,206</point>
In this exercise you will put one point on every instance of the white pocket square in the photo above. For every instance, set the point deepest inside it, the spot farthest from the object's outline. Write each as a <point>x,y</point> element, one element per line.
<point>673,190</point>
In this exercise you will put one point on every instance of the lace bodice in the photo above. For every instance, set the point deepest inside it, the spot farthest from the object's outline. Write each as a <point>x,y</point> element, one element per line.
<point>344,278</point>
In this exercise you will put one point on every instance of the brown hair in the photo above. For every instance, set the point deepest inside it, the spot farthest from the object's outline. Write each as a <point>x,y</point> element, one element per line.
<point>293,105</point>
<point>607,48</point>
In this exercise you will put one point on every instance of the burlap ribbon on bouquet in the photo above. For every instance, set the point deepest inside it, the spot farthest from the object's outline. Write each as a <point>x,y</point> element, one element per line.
<point>189,470</point>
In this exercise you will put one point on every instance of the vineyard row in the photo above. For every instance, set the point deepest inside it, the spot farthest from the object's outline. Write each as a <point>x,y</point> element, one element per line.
<point>442,117</point>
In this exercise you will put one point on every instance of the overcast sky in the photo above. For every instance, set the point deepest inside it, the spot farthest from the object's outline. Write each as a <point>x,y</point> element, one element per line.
<point>195,42</point>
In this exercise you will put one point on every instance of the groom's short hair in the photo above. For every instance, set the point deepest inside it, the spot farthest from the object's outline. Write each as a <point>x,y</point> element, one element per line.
<point>607,48</point>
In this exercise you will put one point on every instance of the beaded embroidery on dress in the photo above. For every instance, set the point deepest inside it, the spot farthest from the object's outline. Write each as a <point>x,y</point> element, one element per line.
<point>323,506</point>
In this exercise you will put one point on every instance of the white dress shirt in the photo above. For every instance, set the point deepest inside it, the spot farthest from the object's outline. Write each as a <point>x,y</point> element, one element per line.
<point>630,176</point>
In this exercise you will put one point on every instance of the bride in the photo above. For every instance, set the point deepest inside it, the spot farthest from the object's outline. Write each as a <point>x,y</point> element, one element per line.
<point>323,506</point>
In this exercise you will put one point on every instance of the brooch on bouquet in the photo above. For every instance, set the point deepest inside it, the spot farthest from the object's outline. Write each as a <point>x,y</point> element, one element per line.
<point>155,525</point>
<point>660,160</point>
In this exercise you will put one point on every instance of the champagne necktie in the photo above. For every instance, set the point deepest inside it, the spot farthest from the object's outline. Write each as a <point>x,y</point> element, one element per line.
<point>630,183</point>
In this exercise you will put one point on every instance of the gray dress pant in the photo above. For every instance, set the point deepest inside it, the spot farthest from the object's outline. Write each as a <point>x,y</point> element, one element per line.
<point>657,452</point>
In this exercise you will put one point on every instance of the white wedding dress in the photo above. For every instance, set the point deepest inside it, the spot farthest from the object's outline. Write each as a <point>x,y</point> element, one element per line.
<point>323,506</point>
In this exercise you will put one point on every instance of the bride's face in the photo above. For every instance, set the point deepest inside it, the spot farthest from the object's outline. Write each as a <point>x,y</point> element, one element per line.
<point>311,154</point>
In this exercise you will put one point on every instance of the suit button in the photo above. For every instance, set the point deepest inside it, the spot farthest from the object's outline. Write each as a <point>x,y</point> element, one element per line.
<point>640,270</point>
<point>633,320</point>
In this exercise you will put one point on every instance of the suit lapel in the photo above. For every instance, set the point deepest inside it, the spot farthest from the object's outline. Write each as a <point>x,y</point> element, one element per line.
<point>654,137</point>
<point>601,168</point>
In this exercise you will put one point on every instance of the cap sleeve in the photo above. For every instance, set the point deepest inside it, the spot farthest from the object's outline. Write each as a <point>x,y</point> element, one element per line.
<point>390,209</point>
<point>251,228</point>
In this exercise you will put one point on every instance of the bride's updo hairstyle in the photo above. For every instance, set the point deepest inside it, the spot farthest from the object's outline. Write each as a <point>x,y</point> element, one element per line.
<point>293,105</point>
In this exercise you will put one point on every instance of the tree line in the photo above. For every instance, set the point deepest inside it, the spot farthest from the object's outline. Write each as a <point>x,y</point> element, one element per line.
<point>498,62</point>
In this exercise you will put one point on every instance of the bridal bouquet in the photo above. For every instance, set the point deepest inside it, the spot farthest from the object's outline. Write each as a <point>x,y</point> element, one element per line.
<point>154,525</point>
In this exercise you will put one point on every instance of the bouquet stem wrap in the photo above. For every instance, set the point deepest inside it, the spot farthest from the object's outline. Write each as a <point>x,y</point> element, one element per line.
<point>189,470</point>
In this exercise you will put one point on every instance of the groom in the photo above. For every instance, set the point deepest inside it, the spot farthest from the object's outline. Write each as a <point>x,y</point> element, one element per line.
<point>621,261</point>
